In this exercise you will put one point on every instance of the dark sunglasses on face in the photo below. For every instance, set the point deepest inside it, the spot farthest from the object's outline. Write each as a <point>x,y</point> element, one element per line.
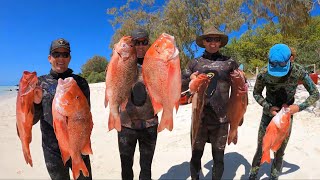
<point>60,54</point>
<point>213,39</point>
<point>141,43</point>
<point>281,64</point>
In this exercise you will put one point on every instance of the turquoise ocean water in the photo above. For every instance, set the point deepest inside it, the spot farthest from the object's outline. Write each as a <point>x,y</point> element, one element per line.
<point>8,90</point>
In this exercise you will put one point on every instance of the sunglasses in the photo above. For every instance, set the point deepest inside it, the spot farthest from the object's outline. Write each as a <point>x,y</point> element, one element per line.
<point>281,64</point>
<point>60,54</point>
<point>212,39</point>
<point>141,43</point>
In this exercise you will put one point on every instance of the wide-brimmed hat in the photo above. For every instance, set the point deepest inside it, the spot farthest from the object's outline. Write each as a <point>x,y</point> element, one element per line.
<point>212,31</point>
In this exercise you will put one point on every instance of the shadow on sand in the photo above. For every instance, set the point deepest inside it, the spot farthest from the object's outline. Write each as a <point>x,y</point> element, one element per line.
<point>232,161</point>
<point>286,169</point>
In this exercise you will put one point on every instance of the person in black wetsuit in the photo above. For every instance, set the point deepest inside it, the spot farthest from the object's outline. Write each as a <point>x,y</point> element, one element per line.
<point>59,58</point>
<point>214,123</point>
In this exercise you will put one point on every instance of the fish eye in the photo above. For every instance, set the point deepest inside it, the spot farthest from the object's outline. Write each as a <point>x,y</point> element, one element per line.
<point>77,97</point>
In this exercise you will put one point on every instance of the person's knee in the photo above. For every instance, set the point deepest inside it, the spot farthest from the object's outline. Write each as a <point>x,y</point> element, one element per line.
<point>196,154</point>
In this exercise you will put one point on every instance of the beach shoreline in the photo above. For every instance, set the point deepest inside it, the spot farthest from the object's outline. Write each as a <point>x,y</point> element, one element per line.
<point>173,151</point>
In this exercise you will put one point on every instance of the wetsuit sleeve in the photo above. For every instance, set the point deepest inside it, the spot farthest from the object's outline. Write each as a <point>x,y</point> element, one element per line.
<point>86,91</point>
<point>312,89</point>
<point>257,94</point>
<point>186,73</point>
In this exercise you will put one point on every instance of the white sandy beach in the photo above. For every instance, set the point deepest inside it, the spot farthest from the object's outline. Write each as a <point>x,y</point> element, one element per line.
<point>173,152</point>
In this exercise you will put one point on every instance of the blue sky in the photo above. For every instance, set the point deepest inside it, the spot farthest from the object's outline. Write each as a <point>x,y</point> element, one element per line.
<point>29,26</point>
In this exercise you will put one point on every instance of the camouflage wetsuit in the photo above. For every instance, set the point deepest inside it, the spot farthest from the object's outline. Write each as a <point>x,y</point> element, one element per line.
<point>214,123</point>
<point>43,112</point>
<point>279,91</point>
<point>138,124</point>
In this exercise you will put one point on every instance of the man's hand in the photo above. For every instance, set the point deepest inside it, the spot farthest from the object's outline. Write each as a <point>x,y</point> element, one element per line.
<point>194,75</point>
<point>37,95</point>
<point>294,108</point>
<point>274,110</point>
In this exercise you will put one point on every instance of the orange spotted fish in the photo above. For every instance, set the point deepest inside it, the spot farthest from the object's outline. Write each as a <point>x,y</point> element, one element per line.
<point>27,95</point>
<point>72,123</point>
<point>121,75</point>
<point>237,104</point>
<point>162,76</point>
<point>198,87</point>
<point>277,131</point>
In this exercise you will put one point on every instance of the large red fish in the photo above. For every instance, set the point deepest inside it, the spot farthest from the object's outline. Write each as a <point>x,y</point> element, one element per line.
<point>27,95</point>
<point>121,75</point>
<point>162,76</point>
<point>277,131</point>
<point>237,104</point>
<point>72,122</point>
<point>198,87</point>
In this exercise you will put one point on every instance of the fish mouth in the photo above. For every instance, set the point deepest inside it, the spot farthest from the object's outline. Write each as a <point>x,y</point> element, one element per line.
<point>175,53</point>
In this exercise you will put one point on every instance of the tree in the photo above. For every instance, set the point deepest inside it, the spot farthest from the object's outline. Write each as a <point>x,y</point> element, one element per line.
<point>94,69</point>
<point>186,19</point>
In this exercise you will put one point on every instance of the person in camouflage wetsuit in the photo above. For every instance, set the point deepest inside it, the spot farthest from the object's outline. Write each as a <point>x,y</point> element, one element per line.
<point>280,78</point>
<point>139,124</point>
<point>214,123</point>
<point>59,58</point>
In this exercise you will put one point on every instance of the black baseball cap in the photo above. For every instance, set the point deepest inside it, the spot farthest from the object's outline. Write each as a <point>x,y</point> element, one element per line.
<point>139,33</point>
<point>59,43</point>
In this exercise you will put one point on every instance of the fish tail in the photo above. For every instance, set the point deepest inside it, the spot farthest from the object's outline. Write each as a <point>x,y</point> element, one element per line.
<point>232,137</point>
<point>27,154</point>
<point>265,156</point>
<point>166,121</point>
<point>77,166</point>
<point>114,122</point>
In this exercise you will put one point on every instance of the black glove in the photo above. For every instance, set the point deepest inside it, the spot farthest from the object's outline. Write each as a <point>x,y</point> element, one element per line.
<point>139,94</point>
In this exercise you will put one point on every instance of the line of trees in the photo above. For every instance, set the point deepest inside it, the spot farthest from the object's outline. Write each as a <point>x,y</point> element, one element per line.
<point>287,22</point>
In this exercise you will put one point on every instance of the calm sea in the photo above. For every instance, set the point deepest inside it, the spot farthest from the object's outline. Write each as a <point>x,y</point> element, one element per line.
<point>8,90</point>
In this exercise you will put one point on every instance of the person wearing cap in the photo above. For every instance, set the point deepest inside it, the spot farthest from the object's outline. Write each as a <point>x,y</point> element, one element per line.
<point>280,78</point>
<point>59,57</point>
<point>139,124</point>
<point>214,123</point>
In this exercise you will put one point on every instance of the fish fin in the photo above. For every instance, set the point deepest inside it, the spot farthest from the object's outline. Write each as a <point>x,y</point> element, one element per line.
<point>232,136</point>
<point>166,121</point>
<point>17,130</point>
<point>177,106</point>
<point>235,139</point>
<point>106,99</point>
<point>61,131</point>
<point>157,107</point>
<point>123,105</point>
<point>86,150</point>
<point>114,122</point>
<point>77,165</point>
